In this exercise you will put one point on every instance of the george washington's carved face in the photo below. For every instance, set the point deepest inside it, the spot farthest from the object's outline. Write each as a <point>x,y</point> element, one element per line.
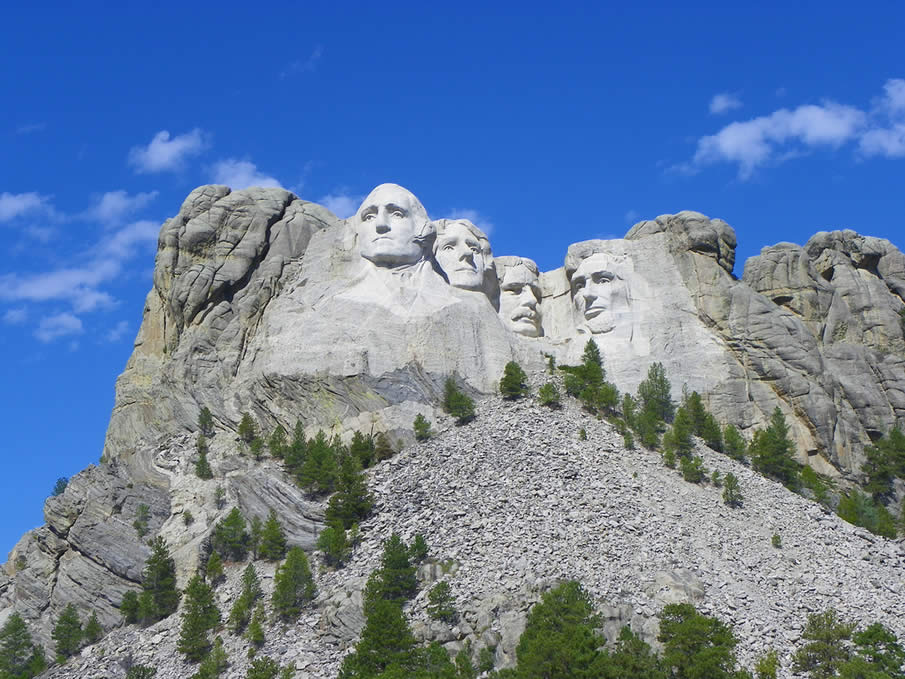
<point>392,227</point>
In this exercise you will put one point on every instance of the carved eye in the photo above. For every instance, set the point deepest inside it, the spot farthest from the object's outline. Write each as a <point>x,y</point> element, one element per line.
<point>475,250</point>
<point>449,246</point>
<point>398,213</point>
<point>368,217</point>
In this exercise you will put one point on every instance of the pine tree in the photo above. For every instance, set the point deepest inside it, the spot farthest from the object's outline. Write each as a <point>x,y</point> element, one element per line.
<point>696,645</point>
<point>256,448</point>
<point>711,433</point>
<point>694,405</point>
<point>548,395</point>
<point>772,452</point>
<point>732,495</point>
<point>654,394</point>
<point>200,615</point>
<point>383,449</point>
<point>273,539</point>
<point>93,630</point>
<point>734,445</point>
<point>419,549</point>
<point>129,607</point>
<point>60,486</point>
<point>397,575</point>
<point>214,664</point>
<point>386,641</point>
<point>422,428</point>
<point>440,603</point>
<point>351,503</point>
<point>241,610</point>
<point>255,631</point>
<point>297,451</point>
<point>67,632</point>
<point>159,583</point>
<point>319,471</point>
<point>254,536</point>
<point>514,383</point>
<point>333,543</point>
<point>362,447</point>
<point>213,571</point>
<point>206,421</point>
<point>263,668</point>
<point>202,466</point>
<point>879,648</point>
<point>277,442</point>
<point>827,646</point>
<point>141,672</point>
<point>230,539</point>
<point>20,657</point>
<point>248,430</point>
<point>678,438</point>
<point>293,585</point>
<point>456,403</point>
<point>633,657</point>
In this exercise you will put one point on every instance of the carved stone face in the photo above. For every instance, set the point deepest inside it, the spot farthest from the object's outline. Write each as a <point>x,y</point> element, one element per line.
<point>519,297</point>
<point>461,256</point>
<point>392,225</point>
<point>595,290</point>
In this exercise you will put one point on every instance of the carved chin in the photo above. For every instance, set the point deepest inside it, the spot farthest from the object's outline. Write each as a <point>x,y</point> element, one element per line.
<point>600,323</point>
<point>467,280</point>
<point>524,326</point>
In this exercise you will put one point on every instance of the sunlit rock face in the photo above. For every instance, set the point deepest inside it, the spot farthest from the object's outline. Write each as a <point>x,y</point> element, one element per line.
<point>263,301</point>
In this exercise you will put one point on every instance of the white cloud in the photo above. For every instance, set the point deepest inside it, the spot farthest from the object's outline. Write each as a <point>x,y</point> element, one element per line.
<point>724,102</point>
<point>44,234</point>
<point>165,153</point>
<point>111,207</point>
<point>790,133</point>
<point>240,174</point>
<point>59,325</point>
<point>15,316</point>
<point>307,66</point>
<point>14,205</point>
<point>474,217</point>
<point>342,204</point>
<point>28,128</point>
<point>117,332</point>
<point>631,217</point>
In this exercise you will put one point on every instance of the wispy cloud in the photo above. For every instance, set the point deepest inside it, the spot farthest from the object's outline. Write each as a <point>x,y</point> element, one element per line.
<point>474,217</point>
<point>342,203</point>
<point>240,174</point>
<point>165,153</point>
<point>789,133</point>
<point>116,333</point>
<point>631,217</point>
<point>724,102</point>
<point>58,325</point>
<point>13,205</point>
<point>29,128</point>
<point>15,316</point>
<point>304,66</point>
<point>113,206</point>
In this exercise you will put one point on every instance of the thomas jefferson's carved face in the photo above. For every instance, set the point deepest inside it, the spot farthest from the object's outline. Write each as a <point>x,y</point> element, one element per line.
<point>390,222</point>
<point>461,256</point>
<point>595,288</point>
<point>519,297</point>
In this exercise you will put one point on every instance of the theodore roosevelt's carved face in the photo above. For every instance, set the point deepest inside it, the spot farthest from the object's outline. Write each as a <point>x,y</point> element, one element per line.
<point>519,298</point>
<point>460,253</point>
<point>595,290</point>
<point>393,227</point>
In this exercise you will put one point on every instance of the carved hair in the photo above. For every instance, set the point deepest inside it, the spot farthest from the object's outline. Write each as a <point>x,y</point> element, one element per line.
<point>443,224</point>
<point>511,262</point>
<point>426,231</point>
<point>578,252</point>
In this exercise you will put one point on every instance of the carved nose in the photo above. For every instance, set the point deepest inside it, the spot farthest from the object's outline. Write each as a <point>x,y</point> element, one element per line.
<point>529,300</point>
<point>466,256</point>
<point>383,227</point>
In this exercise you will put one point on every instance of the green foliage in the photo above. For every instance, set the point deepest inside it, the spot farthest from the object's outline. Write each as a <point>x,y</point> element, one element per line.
<point>628,440</point>
<point>716,479</point>
<point>669,459</point>
<point>630,410</point>
<point>386,642</point>
<point>297,452</point>
<point>362,447</point>
<point>767,665</point>
<point>885,461</point>
<point>213,570</point>
<point>319,471</point>
<point>827,646</point>
<point>67,632</point>
<point>59,486</point>
<point>240,613</point>
<point>351,503</point>
<point>20,657</point>
<point>214,664</point>
<point>711,433</point>
<point>732,494</point>
<point>230,538</point>
<point>818,484</point>
<point>142,515</point>
<point>255,631</point>
<point>693,469</point>
<point>200,615</point>
<point>734,444</point>
<point>880,649</point>
<point>256,448</point>
<point>696,646</point>
<point>678,438</point>
<point>772,452</point>
<point>383,449</point>
<point>396,574</point>
<point>465,669</point>
<point>187,517</point>
<point>440,603</point>
<point>248,429</point>
<point>219,496</point>
<point>333,542</point>
<point>582,435</point>
<point>278,443</point>
<point>263,668</point>
<point>485,659</point>
<point>861,510</point>
<point>202,466</point>
<point>648,429</point>
<point>93,630</point>
<point>141,672</point>
<point>206,421</point>
<point>419,549</point>
<point>633,658</point>
<point>273,540</point>
<point>697,413</point>
<point>422,428</point>
<point>587,382</point>
<point>514,383</point>
<point>776,541</point>
<point>293,585</point>
<point>129,607</point>
<point>654,394</point>
<point>457,404</point>
<point>548,395</point>
<point>160,597</point>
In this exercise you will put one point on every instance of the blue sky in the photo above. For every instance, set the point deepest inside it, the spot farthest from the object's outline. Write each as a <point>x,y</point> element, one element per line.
<point>546,126</point>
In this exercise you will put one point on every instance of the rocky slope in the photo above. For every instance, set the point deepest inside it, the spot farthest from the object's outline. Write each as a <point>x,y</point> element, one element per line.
<point>514,502</point>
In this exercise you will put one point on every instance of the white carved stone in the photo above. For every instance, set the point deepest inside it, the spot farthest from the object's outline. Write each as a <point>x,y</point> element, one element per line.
<point>520,295</point>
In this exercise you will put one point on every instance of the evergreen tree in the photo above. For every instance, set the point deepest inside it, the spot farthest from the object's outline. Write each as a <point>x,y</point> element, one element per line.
<point>333,543</point>
<point>67,632</point>
<point>141,672</point>
<point>859,509</point>
<point>20,657</point>
<point>678,438</point>
<point>277,442</point>
<point>456,403</point>
<point>885,461</point>
<point>772,452</point>
<point>273,539</point>
<point>693,469</point>
<point>159,583</point>
<point>129,607</point>
<point>351,503</point>
<point>879,648</point>
<point>93,630</point>
<point>60,486</point>
<point>206,421</point>
<point>696,646</point>
<point>548,395</point>
<point>214,664</point>
<point>362,447</point>
<point>386,642</point>
<point>440,603</point>
<point>254,536</point>
<point>256,448</point>
<point>263,668</point>
<point>697,413</point>
<point>240,613</point>
<point>733,443</point>
<point>827,648</point>
<point>397,575</point>
<point>142,516</point>
<point>648,427</point>
<point>213,571</point>
<point>318,473</point>
<point>633,658</point>
<point>255,631</point>
<point>200,615</point>
<point>732,495</point>
<point>293,585</point>
<point>383,449</point>
<point>767,666</point>
<point>630,411</point>
<point>711,433</point>
<point>248,430</point>
<point>230,539</point>
<point>514,383</point>
<point>202,466</point>
<point>422,428</point>
<point>654,394</point>
<point>419,549</point>
<point>297,452</point>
